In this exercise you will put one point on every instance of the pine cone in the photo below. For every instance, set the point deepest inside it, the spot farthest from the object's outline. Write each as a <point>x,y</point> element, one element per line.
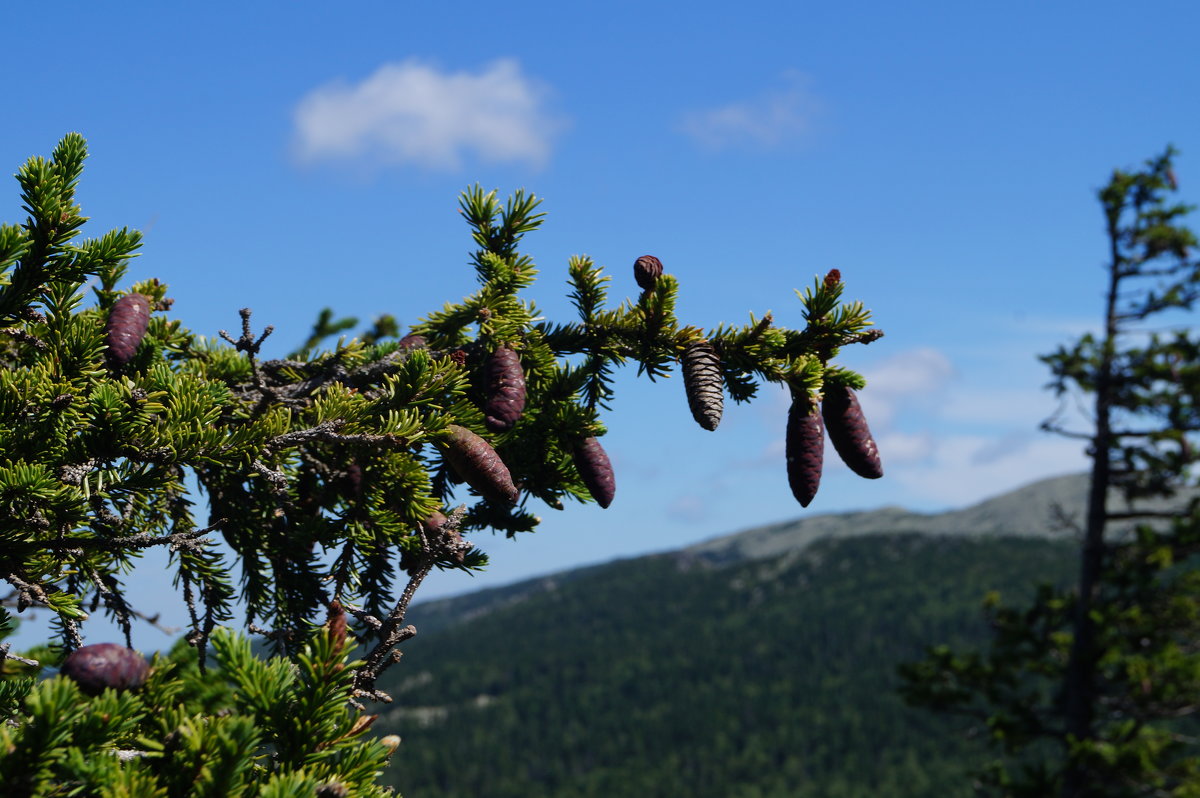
<point>849,433</point>
<point>127,323</point>
<point>413,341</point>
<point>505,390</point>
<point>594,467</point>
<point>477,463</point>
<point>805,449</point>
<point>102,665</point>
<point>703,383</point>
<point>646,270</point>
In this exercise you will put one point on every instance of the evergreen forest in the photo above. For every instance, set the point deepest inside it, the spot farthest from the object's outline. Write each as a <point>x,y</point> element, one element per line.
<point>669,675</point>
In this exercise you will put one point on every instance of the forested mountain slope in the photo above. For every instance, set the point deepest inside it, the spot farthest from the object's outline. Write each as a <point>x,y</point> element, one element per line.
<point>746,666</point>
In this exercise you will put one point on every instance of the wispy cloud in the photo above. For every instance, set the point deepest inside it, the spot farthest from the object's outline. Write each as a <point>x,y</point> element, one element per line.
<point>962,469</point>
<point>769,120</point>
<point>413,113</point>
<point>947,442</point>
<point>907,378</point>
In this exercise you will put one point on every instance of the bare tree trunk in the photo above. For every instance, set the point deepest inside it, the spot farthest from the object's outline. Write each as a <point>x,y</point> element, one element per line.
<point>1079,683</point>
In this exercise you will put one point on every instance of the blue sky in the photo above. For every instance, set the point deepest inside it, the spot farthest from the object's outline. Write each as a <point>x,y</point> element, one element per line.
<point>943,156</point>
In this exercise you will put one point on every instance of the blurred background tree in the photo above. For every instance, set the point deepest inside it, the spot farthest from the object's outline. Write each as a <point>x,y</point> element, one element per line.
<point>1087,692</point>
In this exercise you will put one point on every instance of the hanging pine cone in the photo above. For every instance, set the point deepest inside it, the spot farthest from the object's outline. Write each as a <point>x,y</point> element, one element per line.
<point>102,665</point>
<point>646,270</point>
<point>703,383</point>
<point>477,463</point>
<point>594,467</point>
<point>505,390</point>
<point>848,432</point>
<point>805,449</point>
<point>127,323</point>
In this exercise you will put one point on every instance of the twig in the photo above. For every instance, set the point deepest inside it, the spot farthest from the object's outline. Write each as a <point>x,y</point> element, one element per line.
<point>863,337</point>
<point>384,654</point>
<point>26,336</point>
<point>4,647</point>
<point>251,346</point>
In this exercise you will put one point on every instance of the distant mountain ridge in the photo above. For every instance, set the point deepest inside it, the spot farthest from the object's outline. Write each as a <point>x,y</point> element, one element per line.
<point>1028,511</point>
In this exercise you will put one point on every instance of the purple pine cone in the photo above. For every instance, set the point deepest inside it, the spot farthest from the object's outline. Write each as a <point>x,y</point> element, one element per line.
<point>848,431</point>
<point>127,323</point>
<point>805,447</point>
<point>102,665</point>
<point>594,467</point>
<point>505,389</point>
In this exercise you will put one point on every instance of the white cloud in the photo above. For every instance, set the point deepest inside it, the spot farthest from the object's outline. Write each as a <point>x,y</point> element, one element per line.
<point>903,447</point>
<point>915,371</point>
<point>912,377</point>
<point>963,469</point>
<point>769,120</point>
<point>1021,407</point>
<point>410,112</point>
<point>689,508</point>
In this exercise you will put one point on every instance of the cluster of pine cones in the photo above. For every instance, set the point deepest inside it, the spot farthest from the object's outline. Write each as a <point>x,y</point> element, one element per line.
<point>839,415</point>
<point>478,464</point>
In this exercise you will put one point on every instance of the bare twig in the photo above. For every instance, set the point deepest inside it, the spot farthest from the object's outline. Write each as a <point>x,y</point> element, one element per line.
<point>4,648</point>
<point>863,337</point>
<point>26,337</point>
<point>446,541</point>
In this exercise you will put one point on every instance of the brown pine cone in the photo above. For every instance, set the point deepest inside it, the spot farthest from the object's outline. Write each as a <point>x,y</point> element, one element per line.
<point>127,323</point>
<point>805,447</point>
<point>596,470</point>
<point>505,390</point>
<point>703,382</point>
<point>848,431</point>
<point>646,270</point>
<point>477,463</point>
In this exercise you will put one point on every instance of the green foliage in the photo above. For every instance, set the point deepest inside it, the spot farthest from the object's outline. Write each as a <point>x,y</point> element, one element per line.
<point>1090,691</point>
<point>325,473</point>
<point>244,727</point>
